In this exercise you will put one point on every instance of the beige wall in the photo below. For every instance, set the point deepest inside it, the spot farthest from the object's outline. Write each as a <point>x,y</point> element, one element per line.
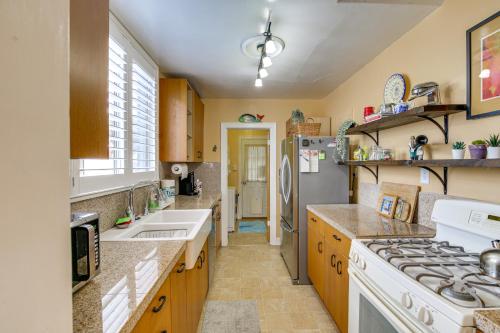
<point>433,51</point>
<point>229,110</point>
<point>35,279</point>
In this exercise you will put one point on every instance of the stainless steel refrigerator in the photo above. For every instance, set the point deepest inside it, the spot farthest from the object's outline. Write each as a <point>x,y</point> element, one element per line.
<point>308,175</point>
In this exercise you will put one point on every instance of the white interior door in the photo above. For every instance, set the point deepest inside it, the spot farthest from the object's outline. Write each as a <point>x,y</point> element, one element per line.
<point>254,180</point>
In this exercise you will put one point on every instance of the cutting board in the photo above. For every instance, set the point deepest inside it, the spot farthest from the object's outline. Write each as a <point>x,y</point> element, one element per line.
<point>408,194</point>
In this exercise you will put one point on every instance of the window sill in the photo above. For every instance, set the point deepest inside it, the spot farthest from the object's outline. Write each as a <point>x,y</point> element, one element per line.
<point>96,194</point>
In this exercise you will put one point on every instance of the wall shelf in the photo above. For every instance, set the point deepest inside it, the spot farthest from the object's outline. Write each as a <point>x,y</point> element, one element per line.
<point>427,165</point>
<point>421,113</point>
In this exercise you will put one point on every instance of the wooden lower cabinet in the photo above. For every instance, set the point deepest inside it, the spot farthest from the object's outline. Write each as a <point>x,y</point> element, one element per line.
<point>179,296</point>
<point>197,289</point>
<point>328,270</point>
<point>315,259</point>
<point>177,306</point>
<point>158,315</point>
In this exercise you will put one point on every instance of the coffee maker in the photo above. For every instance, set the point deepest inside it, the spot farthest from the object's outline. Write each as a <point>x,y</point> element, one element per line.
<point>187,186</point>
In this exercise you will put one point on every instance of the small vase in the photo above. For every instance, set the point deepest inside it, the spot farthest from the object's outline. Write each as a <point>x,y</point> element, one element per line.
<point>458,154</point>
<point>493,152</point>
<point>477,152</point>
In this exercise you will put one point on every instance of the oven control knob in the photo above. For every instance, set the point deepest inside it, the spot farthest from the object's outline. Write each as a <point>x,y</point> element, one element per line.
<point>406,301</point>
<point>362,264</point>
<point>425,316</point>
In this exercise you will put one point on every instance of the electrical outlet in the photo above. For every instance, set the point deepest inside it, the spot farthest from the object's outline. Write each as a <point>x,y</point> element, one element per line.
<point>424,176</point>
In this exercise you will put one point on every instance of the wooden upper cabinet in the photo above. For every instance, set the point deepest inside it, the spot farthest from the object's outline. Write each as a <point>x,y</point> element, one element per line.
<point>89,36</point>
<point>198,118</point>
<point>181,122</point>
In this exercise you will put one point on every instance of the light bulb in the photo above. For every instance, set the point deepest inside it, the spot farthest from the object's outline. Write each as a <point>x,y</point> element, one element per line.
<point>258,82</point>
<point>266,61</point>
<point>263,73</point>
<point>270,46</point>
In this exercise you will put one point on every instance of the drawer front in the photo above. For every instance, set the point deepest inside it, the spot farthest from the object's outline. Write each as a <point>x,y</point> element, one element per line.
<point>342,242</point>
<point>314,222</point>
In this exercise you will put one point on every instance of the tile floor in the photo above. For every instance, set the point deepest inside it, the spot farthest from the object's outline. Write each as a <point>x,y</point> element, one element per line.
<point>250,269</point>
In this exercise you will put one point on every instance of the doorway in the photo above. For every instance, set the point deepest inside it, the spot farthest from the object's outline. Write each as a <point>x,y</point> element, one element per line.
<point>248,176</point>
<point>253,156</point>
<point>248,173</point>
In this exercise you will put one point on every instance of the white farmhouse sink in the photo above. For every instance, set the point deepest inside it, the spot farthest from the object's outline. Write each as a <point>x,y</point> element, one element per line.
<point>193,226</point>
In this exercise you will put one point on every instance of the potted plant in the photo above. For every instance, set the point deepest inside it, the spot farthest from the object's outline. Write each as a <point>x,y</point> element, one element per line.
<point>493,146</point>
<point>477,149</point>
<point>458,150</point>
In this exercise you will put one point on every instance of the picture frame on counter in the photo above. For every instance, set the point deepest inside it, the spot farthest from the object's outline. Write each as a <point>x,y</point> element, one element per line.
<point>387,205</point>
<point>483,68</point>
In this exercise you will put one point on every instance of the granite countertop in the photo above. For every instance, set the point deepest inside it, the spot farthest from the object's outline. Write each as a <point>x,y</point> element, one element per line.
<point>131,274</point>
<point>488,321</point>
<point>205,200</point>
<point>359,221</point>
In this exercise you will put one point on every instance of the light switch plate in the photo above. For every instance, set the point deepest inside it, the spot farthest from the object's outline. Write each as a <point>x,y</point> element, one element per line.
<point>424,176</point>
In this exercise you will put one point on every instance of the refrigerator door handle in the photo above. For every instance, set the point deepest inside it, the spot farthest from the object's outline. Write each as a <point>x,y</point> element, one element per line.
<point>285,226</point>
<point>286,193</point>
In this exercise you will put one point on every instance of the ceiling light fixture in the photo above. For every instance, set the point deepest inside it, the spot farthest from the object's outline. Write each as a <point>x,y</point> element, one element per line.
<point>263,47</point>
<point>266,61</point>
<point>258,81</point>
<point>263,73</point>
<point>270,46</point>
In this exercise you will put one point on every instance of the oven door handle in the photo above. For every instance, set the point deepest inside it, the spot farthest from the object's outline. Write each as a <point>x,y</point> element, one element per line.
<point>384,306</point>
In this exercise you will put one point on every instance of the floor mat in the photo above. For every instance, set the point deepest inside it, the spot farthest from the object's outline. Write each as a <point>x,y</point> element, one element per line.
<point>231,317</point>
<point>252,226</point>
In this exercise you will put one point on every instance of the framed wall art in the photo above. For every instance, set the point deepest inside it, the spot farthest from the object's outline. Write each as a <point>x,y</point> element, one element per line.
<point>483,68</point>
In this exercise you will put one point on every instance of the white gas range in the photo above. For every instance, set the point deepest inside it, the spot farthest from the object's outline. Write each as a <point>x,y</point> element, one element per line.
<point>426,284</point>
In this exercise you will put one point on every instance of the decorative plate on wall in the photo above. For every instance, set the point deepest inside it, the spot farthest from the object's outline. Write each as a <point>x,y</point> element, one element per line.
<point>395,89</point>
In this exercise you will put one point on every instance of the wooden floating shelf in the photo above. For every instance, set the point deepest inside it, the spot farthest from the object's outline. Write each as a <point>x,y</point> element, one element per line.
<point>414,115</point>
<point>427,165</point>
<point>465,163</point>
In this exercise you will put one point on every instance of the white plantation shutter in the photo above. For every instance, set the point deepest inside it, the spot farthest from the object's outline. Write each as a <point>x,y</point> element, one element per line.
<point>117,109</point>
<point>133,134</point>
<point>143,120</point>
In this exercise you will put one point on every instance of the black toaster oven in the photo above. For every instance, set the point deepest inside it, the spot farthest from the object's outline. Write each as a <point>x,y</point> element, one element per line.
<point>85,248</point>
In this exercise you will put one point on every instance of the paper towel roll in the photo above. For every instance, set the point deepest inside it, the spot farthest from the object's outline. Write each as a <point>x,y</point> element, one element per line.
<point>180,169</point>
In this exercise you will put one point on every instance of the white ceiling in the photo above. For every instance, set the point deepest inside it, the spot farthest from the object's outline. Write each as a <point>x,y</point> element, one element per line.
<point>326,41</point>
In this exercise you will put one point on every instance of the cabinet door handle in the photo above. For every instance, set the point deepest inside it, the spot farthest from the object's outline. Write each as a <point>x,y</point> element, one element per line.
<point>164,331</point>
<point>203,255</point>
<point>162,300</point>
<point>199,154</point>
<point>320,247</point>
<point>314,219</point>
<point>181,268</point>
<point>337,238</point>
<point>339,267</point>
<point>201,262</point>
<point>333,259</point>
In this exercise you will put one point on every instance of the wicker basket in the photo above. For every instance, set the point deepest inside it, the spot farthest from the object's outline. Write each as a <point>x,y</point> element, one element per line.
<point>308,128</point>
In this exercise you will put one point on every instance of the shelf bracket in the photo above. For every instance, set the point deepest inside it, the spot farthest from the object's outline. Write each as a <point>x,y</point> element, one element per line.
<point>443,180</point>
<point>371,136</point>
<point>374,173</point>
<point>444,129</point>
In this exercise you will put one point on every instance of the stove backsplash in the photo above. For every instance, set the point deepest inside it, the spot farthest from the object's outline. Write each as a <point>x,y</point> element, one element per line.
<point>368,195</point>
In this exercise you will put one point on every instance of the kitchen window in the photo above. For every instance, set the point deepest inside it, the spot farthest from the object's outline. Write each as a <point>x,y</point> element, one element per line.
<point>133,120</point>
